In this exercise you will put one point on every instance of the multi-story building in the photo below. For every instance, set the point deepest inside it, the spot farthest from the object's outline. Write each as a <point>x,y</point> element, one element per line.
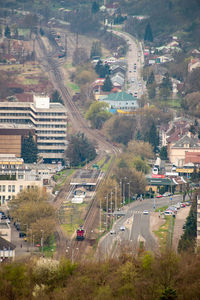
<point>198,220</point>
<point>16,176</point>
<point>48,119</point>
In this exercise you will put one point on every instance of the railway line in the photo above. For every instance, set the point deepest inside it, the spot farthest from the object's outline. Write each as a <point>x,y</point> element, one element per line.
<point>79,124</point>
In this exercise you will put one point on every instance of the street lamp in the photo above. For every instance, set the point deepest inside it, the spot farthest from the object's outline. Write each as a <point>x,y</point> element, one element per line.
<point>42,240</point>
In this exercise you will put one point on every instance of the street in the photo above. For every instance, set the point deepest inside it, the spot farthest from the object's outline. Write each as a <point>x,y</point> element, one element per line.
<point>137,226</point>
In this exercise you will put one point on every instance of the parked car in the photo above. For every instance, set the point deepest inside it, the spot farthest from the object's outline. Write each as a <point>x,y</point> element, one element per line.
<point>168,213</point>
<point>145,212</point>
<point>159,196</point>
<point>183,205</point>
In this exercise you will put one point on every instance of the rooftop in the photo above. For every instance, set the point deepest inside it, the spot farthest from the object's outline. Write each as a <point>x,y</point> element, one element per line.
<point>4,244</point>
<point>187,142</point>
<point>121,96</point>
<point>4,225</point>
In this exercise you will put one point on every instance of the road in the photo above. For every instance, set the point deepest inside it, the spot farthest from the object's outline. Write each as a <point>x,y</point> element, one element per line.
<point>137,226</point>
<point>135,60</point>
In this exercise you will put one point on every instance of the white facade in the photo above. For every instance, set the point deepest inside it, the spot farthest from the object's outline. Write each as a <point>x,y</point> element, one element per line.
<point>48,119</point>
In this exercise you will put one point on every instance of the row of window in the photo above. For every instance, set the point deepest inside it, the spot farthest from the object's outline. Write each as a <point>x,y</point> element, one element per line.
<point>50,126</point>
<point>51,144</point>
<point>59,138</point>
<point>50,132</point>
<point>36,113</point>
<point>51,151</point>
<point>28,115</point>
<point>11,188</point>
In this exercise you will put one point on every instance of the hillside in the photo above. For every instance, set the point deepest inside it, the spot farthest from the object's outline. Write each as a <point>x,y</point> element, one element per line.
<point>167,17</point>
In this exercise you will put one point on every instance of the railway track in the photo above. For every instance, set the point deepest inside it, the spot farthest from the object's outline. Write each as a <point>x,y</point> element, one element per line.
<point>79,124</point>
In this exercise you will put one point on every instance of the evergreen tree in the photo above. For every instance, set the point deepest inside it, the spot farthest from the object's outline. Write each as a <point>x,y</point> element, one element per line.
<point>107,86</point>
<point>56,97</point>
<point>29,149</point>
<point>148,35</point>
<point>151,78</point>
<point>138,136</point>
<point>165,86</point>
<point>95,7</point>
<point>153,137</point>
<point>163,153</point>
<point>7,32</point>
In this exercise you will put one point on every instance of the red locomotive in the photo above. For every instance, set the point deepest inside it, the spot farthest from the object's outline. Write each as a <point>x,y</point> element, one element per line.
<point>80,234</point>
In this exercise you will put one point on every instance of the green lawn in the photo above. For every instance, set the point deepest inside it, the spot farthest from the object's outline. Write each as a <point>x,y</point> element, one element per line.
<point>106,166</point>
<point>73,86</point>
<point>165,232</point>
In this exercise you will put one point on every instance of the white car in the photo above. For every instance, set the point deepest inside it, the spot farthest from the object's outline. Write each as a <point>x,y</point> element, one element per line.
<point>122,228</point>
<point>145,212</point>
<point>112,232</point>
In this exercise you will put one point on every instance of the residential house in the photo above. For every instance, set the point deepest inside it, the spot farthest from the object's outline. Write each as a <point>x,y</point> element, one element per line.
<point>118,80</point>
<point>177,151</point>
<point>97,85</point>
<point>7,250</point>
<point>118,68</point>
<point>121,101</point>
<point>195,63</point>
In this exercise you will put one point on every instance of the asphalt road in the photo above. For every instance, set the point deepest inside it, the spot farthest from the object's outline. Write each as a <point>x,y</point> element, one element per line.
<point>135,60</point>
<point>137,226</point>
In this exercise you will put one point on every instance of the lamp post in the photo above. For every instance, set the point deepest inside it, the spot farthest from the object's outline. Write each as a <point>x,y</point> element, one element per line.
<point>42,240</point>
<point>128,192</point>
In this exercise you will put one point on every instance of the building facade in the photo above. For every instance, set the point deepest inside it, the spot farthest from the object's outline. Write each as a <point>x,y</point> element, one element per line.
<point>49,120</point>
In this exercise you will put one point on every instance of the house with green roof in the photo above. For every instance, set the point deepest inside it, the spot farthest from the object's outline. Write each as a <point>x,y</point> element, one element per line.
<point>121,101</point>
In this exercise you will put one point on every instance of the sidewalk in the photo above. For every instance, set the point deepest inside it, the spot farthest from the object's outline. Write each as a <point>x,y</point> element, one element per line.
<point>23,249</point>
<point>178,226</point>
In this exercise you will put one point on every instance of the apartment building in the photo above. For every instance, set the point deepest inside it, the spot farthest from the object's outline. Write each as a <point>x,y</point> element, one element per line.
<point>48,119</point>
<point>198,220</point>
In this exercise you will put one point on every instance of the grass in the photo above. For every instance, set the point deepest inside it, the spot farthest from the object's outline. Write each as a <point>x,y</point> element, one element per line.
<point>73,86</point>
<point>51,248</point>
<point>161,209</point>
<point>62,178</point>
<point>106,166</point>
<point>165,232</point>
<point>30,81</point>
<point>24,31</point>
<point>71,216</point>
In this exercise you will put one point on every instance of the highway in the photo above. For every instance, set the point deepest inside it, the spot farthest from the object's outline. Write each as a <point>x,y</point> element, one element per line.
<point>137,227</point>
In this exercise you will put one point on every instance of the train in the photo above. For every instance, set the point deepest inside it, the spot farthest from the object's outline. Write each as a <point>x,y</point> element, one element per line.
<point>80,234</point>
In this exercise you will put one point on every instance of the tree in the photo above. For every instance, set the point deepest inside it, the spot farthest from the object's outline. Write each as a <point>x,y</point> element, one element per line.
<point>29,149</point>
<point>80,150</point>
<point>56,97</point>
<point>96,49</point>
<point>151,78</point>
<point>30,208</point>
<point>153,137</point>
<point>192,129</point>
<point>7,32</point>
<point>163,153</point>
<point>98,113</point>
<point>80,56</point>
<point>140,165</point>
<point>95,7</point>
<point>151,91</point>
<point>166,86</point>
<point>101,69</point>
<point>120,129</point>
<point>107,85</point>
<point>148,36</point>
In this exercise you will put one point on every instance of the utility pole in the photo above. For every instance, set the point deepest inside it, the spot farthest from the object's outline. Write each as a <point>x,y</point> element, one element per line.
<point>42,241</point>
<point>100,218</point>
<point>66,44</point>
<point>107,212</point>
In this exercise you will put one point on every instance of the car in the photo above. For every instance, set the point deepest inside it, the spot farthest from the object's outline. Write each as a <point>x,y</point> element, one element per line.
<point>159,196</point>
<point>112,232</point>
<point>145,212</point>
<point>169,213</point>
<point>183,205</point>
<point>122,228</point>
<point>184,226</point>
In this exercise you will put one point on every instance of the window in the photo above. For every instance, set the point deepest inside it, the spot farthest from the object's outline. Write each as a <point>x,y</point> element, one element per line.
<point>13,188</point>
<point>21,188</point>
<point>4,188</point>
<point>3,199</point>
<point>0,188</point>
<point>20,176</point>
<point>9,189</point>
